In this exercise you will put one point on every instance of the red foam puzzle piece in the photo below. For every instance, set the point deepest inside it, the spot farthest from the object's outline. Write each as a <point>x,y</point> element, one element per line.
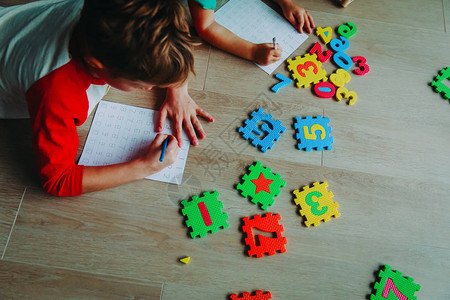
<point>259,295</point>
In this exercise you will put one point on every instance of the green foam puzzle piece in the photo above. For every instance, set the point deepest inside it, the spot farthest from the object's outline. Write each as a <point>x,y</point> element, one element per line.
<point>439,85</point>
<point>394,286</point>
<point>204,214</point>
<point>257,192</point>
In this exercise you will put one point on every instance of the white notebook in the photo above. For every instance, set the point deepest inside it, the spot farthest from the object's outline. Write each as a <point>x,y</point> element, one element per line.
<point>121,133</point>
<point>256,22</point>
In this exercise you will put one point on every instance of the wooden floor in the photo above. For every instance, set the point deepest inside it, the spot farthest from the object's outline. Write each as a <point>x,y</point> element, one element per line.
<point>389,170</point>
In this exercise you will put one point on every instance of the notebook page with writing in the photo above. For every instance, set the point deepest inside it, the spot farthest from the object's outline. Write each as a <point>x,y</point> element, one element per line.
<point>121,133</point>
<point>256,22</point>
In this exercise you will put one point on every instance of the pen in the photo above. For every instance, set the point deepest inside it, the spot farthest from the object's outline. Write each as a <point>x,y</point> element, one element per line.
<point>274,43</point>
<point>163,152</point>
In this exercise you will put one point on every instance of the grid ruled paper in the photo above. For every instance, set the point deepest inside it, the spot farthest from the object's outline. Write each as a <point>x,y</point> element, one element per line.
<point>121,133</point>
<point>256,22</point>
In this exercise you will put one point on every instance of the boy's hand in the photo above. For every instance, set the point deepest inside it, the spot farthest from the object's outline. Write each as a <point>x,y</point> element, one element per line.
<point>151,157</point>
<point>180,107</point>
<point>297,16</point>
<point>265,54</point>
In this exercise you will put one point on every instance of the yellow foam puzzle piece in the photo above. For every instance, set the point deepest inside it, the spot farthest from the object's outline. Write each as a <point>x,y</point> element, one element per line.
<point>185,260</point>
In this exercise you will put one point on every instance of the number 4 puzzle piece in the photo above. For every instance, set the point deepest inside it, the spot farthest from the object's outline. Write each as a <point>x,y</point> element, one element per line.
<point>394,286</point>
<point>316,203</point>
<point>204,214</point>
<point>258,295</point>
<point>269,245</point>
<point>439,85</point>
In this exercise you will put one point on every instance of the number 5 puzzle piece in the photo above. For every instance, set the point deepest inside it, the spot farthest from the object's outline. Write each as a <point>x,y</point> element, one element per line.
<point>267,245</point>
<point>393,285</point>
<point>306,133</point>
<point>316,203</point>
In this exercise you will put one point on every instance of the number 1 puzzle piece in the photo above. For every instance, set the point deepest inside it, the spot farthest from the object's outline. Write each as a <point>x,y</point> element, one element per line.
<point>439,85</point>
<point>258,295</point>
<point>261,185</point>
<point>204,214</point>
<point>267,245</point>
<point>306,69</point>
<point>273,131</point>
<point>394,286</point>
<point>316,203</point>
<point>306,129</point>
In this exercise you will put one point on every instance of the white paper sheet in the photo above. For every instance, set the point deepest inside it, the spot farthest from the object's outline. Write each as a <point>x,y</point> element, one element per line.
<point>256,22</point>
<point>121,133</point>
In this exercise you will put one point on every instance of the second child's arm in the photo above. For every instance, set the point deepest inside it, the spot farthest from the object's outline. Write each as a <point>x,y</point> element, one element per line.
<point>217,35</point>
<point>103,177</point>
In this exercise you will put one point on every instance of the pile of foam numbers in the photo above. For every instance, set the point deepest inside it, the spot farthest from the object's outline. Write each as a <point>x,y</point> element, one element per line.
<point>204,213</point>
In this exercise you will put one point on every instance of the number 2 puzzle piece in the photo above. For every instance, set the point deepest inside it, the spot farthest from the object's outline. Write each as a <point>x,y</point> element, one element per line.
<point>394,286</point>
<point>267,245</point>
<point>273,131</point>
<point>204,214</point>
<point>306,70</point>
<point>261,185</point>
<point>258,295</point>
<point>306,129</point>
<point>316,203</point>
<point>439,85</point>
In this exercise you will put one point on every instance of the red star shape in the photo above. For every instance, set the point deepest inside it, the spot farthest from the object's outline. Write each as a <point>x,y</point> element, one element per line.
<point>262,184</point>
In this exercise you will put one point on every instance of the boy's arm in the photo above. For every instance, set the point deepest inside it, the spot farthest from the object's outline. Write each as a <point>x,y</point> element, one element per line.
<point>103,177</point>
<point>217,35</point>
<point>296,15</point>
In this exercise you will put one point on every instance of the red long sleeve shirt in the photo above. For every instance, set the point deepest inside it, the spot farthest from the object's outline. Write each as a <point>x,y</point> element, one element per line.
<point>57,104</point>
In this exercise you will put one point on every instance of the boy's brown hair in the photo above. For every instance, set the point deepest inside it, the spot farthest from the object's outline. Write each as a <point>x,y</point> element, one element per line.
<point>141,40</point>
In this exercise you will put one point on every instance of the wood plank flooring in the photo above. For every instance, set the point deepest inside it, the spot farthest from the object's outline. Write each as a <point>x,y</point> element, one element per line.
<point>389,171</point>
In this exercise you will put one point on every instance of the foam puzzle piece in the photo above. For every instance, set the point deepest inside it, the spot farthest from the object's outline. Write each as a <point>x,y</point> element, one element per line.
<point>340,77</point>
<point>316,203</point>
<point>261,185</point>
<point>267,245</point>
<point>307,69</point>
<point>339,44</point>
<point>185,260</point>
<point>438,84</point>
<point>393,285</point>
<point>324,90</point>
<point>307,138</point>
<point>321,56</point>
<point>343,92</point>
<point>347,30</point>
<point>204,214</point>
<point>258,295</point>
<point>360,62</point>
<point>325,34</point>
<point>284,81</point>
<point>342,60</point>
<point>251,128</point>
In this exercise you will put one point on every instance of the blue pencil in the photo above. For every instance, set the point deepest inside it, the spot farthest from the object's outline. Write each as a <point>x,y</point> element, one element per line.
<point>163,152</point>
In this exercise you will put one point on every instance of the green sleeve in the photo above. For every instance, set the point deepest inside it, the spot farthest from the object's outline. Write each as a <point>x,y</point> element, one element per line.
<point>207,4</point>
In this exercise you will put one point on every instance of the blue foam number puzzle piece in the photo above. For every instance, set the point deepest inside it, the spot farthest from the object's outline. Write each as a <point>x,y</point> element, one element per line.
<point>273,131</point>
<point>284,82</point>
<point>313,133</point>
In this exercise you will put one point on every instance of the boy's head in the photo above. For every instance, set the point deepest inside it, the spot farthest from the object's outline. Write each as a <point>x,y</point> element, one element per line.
<point>145,41</point>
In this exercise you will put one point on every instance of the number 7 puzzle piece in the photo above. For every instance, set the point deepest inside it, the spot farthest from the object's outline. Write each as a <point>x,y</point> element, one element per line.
<point>269,245</point>
<point>439,85</point>
<point>204,214</point>
<point>316,203</point>
<point>394,286</point>
<point>261,185</point>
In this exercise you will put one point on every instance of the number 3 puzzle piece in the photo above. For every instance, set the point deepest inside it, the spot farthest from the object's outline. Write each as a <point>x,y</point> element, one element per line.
<point>316,203</point>
<point>342,92</point>
<point>306,70</point>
